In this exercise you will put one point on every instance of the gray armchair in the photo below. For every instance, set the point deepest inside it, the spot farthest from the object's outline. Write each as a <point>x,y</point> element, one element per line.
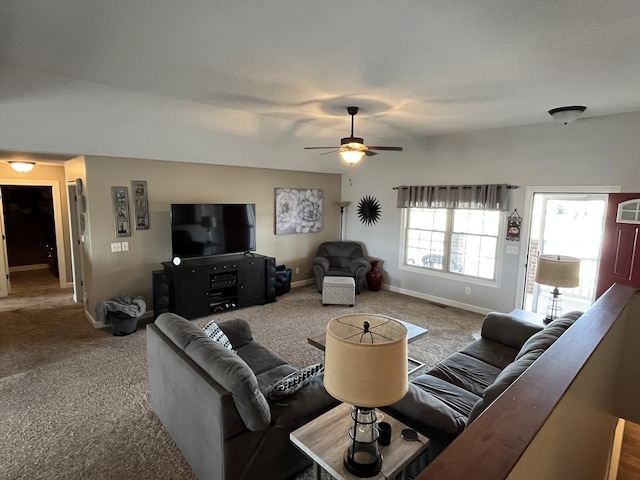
<point>340,259</point>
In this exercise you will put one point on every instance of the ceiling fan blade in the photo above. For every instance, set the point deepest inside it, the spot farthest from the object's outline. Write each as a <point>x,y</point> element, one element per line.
<point>330,151</point>
<point>393,149</point>
<point>369,153</point>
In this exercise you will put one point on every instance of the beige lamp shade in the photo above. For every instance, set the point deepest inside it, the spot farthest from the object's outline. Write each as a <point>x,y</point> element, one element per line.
<point>366,368</point>
<point>558,271</point>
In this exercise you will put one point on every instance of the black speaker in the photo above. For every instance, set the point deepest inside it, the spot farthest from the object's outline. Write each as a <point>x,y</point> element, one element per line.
<point>161,293</point>
<point>283,280</point>
<point>270,282</point>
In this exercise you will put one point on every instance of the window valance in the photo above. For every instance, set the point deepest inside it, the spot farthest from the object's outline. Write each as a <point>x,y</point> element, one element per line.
<point>472,197</point>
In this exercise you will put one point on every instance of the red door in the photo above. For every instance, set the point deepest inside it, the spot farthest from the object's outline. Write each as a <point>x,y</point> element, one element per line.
<point>620,256</point>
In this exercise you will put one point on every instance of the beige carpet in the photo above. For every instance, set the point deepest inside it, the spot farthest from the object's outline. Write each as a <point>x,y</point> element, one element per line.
<point>73,399</point>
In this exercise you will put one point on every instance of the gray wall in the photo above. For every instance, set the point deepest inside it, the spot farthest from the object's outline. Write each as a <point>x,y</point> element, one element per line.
<point>589,152</point>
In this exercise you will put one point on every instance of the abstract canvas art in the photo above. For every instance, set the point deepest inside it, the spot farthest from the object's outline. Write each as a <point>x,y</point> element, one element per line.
<point>298,210</point>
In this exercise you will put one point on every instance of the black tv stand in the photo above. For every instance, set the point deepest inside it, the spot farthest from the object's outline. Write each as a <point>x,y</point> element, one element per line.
<point>205,285</point>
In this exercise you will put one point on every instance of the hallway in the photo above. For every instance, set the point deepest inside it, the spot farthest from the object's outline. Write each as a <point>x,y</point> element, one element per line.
<point>35,288</point>
<point>34,283</point>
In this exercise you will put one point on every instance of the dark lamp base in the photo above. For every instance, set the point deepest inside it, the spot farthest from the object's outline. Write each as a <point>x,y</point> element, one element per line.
<point>363,453</point>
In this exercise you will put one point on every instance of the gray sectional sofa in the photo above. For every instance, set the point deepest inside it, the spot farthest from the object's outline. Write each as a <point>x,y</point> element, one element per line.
<point>448,397</point>
<point>212,401</point>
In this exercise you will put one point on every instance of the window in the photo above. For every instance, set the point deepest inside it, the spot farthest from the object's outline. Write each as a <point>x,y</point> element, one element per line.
<point>463,242</point>
<point>629,212</point>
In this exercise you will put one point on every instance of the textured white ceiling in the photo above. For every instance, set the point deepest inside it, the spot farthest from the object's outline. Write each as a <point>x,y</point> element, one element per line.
<point>416,68</point>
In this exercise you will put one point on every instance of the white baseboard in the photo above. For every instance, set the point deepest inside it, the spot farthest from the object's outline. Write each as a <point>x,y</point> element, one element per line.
<point>438,300</point>
<point>26,268</point>
<point>92,320</point>
<point>411,293</point>
<point>97,324</point>
<point>302,283</point>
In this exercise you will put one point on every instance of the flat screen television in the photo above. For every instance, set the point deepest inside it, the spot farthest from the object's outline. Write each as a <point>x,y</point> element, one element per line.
<point>205,229</point>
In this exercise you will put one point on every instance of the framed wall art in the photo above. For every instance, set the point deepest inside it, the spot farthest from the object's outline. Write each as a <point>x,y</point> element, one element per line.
<point>140,204</point>
<point>298,210</point>
<point>120,197</point>
<point>514,225</point>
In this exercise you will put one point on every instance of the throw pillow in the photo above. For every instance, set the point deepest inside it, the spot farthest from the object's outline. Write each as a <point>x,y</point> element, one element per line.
<point>294,382</point>
<point>213,331</point>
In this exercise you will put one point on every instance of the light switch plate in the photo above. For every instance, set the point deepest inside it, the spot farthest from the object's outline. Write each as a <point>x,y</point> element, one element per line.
<point>512,249</point>
<point>116,247</point>
<point>125,246</point>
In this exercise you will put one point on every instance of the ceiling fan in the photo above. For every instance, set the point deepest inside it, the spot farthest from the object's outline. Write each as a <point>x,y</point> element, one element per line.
<point>351,148</point>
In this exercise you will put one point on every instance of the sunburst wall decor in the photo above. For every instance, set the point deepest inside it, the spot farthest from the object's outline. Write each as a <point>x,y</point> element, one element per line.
<point>369,210</point>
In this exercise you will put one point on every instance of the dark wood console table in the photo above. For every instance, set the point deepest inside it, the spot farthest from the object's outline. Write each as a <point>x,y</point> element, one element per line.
<point>202,286</point>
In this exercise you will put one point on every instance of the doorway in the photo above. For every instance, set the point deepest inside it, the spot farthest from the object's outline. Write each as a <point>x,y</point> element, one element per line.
<point>563,221</point>
<point>29,228</point>
<point>40,244</point>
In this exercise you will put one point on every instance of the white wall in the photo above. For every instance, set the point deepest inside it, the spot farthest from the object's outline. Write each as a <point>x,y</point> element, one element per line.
<point>590,151</point>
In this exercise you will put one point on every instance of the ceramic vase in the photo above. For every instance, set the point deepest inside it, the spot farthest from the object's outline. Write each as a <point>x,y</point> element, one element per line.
<point>374,277</point>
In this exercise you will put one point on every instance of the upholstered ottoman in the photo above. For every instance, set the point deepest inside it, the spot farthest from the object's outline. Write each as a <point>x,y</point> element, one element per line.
<point>338,291</point>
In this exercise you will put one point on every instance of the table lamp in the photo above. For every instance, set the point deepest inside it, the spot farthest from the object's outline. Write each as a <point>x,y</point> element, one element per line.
<point>365,366</point>
<point>557,271</point>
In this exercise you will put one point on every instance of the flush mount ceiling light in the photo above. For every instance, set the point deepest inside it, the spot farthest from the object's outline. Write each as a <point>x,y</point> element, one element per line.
<point>567,114</point>
<point>22,167</point>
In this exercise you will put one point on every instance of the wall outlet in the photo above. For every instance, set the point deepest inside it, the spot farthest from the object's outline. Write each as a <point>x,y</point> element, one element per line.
<point>116,247</point>
<point>297,269</point>
<point>125,246</point>
<point>467,290</point>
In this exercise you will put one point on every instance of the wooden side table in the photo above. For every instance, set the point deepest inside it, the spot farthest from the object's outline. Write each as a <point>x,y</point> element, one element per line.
<point>325,439</point>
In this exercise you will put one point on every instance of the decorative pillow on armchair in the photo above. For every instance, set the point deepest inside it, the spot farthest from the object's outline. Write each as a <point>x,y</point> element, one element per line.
<point>213,331</point>
<point>294,382</point>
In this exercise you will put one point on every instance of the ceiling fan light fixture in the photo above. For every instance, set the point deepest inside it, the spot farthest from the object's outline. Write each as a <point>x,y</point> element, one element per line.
<point>567,114</point>
<point>352,148</point>
<point>351,156</point>
<point>22,167</point>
